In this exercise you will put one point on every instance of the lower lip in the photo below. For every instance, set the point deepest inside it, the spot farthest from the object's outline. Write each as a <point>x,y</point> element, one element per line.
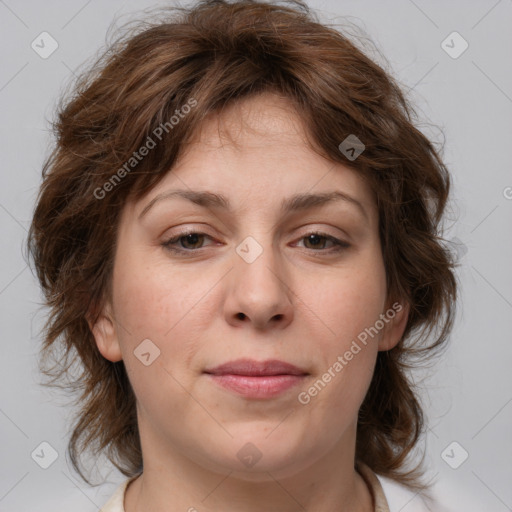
<point>258,387</point>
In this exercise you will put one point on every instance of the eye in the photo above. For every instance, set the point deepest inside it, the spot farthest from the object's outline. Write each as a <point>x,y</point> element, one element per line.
<point>315,240</point>
<point>191,241</point>
<point>188,239</point>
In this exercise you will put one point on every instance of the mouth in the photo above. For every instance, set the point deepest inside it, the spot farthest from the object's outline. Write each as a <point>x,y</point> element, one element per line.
<point>257,379</point>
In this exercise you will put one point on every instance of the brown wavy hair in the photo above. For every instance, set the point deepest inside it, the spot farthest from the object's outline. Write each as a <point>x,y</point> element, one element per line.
<point>217,53</point>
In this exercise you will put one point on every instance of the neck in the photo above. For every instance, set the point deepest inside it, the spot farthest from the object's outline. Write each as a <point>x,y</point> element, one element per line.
<point>171,479</point>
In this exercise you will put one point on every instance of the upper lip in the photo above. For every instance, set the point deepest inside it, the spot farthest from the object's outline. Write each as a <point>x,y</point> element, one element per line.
<point>252,367</point>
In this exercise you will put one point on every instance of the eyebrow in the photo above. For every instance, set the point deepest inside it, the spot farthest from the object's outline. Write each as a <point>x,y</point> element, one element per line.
<point>294,203</point>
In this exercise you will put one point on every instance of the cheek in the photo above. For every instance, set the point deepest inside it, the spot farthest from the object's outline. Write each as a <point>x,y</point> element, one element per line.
<point>138,298</point>
<point>149,295</point>
<point>151,307</point>
<point>349,303</point>
<point>350,300</point>
<point>165,306</point>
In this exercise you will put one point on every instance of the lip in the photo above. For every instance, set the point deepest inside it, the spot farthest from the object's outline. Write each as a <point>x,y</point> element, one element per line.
<point>253,368</point>
<point>257,379</point>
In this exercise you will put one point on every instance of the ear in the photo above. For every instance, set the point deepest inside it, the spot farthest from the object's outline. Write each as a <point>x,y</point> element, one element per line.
<point>395,318</point>
<point>105,334</point>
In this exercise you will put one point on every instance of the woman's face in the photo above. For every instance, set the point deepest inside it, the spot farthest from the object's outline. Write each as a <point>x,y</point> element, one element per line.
<point>252,284</point>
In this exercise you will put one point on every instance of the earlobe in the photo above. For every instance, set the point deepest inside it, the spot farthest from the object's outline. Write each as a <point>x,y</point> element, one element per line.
<point>397,316</point>
<point>105,335</point>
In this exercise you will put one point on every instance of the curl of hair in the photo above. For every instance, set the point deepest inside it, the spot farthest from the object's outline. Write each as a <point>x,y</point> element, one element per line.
<point>217,53</point>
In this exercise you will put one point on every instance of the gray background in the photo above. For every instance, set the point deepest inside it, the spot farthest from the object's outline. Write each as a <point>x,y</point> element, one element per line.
<point>470,98</point>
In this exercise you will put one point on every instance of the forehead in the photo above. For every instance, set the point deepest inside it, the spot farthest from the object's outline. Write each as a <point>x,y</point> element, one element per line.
<point>257,152</point>
<point>266,118</point>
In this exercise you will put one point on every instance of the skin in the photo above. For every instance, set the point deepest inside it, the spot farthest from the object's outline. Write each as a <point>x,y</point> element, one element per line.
<point>301,303</point>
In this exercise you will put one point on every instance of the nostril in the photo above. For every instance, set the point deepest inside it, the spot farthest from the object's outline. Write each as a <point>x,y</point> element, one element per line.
<point>241,316</point>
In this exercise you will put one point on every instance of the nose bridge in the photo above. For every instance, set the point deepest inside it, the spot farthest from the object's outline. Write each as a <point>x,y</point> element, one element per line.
<point>258,288</point>
<point>258,262</point>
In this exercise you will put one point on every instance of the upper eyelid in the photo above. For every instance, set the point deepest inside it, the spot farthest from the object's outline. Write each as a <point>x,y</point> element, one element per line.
<point>200,231</point>
<point>190,227</point>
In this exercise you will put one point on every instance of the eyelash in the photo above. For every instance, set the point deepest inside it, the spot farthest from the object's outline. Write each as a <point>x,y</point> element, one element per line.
<point>340,245</point>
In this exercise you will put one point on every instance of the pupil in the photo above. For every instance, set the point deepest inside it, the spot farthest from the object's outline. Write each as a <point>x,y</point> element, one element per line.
<point>312,239</point>
<point>191,238</point>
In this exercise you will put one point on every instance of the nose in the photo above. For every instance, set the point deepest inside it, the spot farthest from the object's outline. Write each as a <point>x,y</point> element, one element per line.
<point>259,291</point>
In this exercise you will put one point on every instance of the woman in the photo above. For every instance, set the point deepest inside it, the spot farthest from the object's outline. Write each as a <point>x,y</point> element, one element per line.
<point>238,234</point>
